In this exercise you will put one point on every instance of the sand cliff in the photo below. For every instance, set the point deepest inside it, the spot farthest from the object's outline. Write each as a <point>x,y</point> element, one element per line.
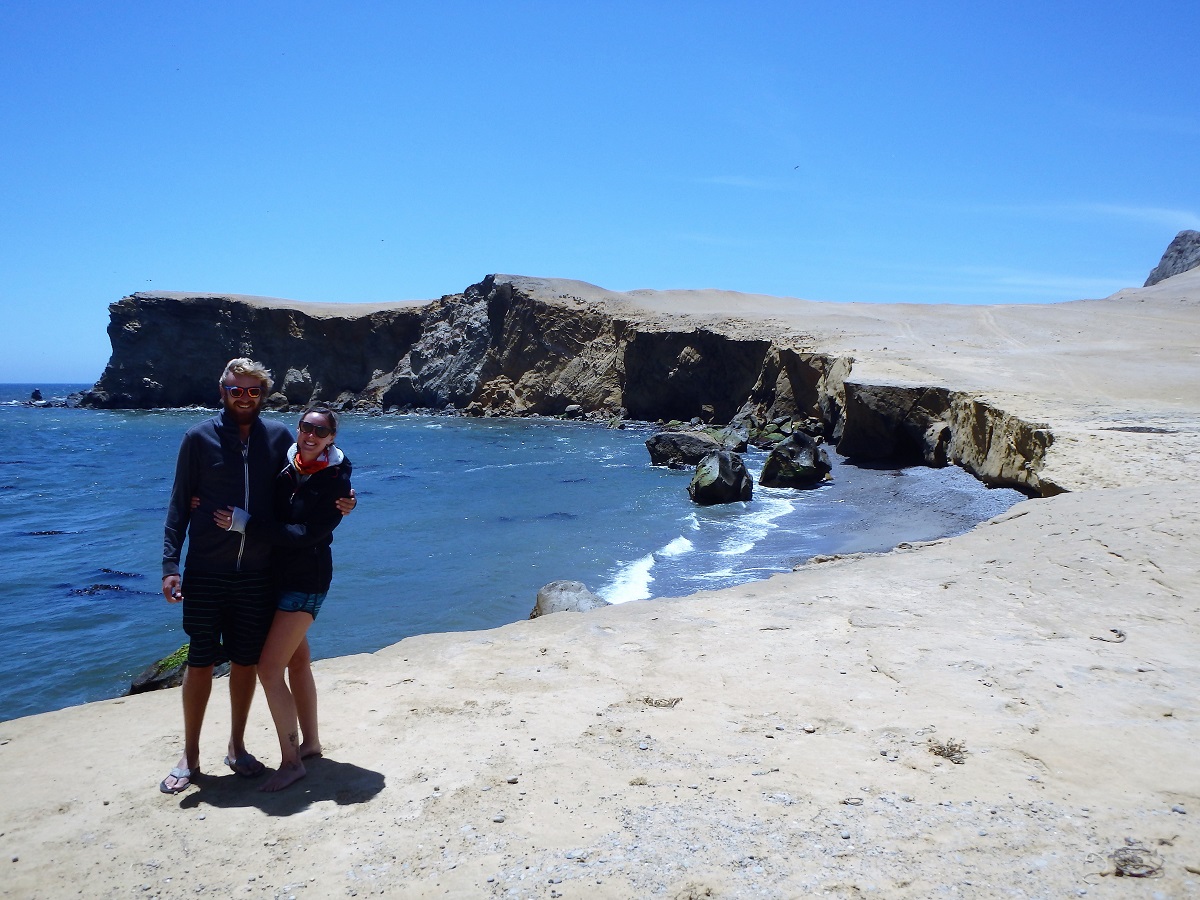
<point>769,740</point>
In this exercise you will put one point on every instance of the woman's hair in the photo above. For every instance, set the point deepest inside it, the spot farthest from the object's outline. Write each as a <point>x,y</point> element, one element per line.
<point>322,410</point>
<point>244,366</point>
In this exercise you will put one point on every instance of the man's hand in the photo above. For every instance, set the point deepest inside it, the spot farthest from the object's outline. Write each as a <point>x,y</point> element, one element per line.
<point>346,505</point>
<point>170,588</point>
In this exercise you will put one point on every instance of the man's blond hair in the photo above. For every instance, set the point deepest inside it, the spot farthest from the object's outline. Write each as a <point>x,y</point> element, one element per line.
<point>246,366</point>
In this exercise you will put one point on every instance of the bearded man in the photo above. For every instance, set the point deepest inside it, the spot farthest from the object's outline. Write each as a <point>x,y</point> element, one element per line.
<point>228,600</point>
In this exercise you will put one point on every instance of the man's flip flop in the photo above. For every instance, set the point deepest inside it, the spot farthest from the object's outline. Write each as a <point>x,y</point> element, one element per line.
<point>183,780</point>
<point>246,765</point>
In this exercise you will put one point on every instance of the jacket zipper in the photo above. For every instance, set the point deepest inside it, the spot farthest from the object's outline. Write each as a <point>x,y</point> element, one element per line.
<point>245,496</point>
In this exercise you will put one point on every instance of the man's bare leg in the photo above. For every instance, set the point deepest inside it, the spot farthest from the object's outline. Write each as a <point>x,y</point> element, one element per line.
<point>197,687</point>
<point>242,681</point>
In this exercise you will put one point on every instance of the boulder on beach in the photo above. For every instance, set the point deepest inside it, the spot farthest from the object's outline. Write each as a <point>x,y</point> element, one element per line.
<point>721,477</point>
<point>168,673</point>
<point>680,449</point>
<point>797,462</point>
<point>565,596</point>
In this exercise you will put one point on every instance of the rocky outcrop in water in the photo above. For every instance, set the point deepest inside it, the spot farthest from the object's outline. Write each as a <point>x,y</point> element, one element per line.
<point>516,346</point>
<point>797,462</point>
<point>721,477</point>
<point>680,449</point>
<point>1182,254</point>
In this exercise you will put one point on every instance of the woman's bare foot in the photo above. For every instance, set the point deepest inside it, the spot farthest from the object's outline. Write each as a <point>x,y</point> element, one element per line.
<point>308,751</point>
<point>287,774</point>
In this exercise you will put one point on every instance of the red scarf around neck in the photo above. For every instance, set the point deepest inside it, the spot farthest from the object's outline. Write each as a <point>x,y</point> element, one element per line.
<point>313,467</point>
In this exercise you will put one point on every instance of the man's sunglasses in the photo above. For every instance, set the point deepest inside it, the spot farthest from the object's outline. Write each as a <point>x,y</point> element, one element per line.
<point>236,392</point>
<point>321,431</point>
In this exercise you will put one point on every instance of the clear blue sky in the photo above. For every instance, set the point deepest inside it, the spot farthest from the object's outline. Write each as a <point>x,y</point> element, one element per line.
<point>957,152</point>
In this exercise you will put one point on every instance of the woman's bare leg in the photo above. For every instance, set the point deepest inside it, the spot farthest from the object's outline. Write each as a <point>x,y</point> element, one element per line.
<point>304,692</point>
<point>287,632</point>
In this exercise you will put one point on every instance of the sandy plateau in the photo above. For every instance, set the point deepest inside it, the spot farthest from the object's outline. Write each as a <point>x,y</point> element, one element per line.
<point>1010,713</point>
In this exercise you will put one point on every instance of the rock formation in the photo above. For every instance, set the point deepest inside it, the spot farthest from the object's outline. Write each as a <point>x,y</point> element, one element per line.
<point>797,462</point>
<point>565,596</point>
<point>169,349</point>
<point>168,673</point>
<point>680,449</point>
<point>1182,254</point>
<point>721,477</point>
<point>523,346</point>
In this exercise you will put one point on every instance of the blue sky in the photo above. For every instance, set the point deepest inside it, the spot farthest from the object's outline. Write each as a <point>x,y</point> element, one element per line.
<point>882,152</point>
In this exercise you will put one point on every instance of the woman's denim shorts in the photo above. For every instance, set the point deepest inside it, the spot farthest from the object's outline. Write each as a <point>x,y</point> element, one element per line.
<point>298,601</point>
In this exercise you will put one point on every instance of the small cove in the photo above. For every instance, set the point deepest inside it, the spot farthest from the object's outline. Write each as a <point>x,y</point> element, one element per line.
<point>460,522</point>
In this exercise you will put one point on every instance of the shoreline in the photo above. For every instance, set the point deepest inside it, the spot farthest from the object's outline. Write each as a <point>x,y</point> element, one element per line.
<point>709,548</point>
<point>797,758</point>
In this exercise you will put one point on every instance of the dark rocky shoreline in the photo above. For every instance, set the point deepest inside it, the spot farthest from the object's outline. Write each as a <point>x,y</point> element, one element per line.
<point>512,346</point>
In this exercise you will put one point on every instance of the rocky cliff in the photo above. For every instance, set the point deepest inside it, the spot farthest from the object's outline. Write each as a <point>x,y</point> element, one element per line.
<point>517,346</point>
<point>494,349</point>
<point>1181,255</point>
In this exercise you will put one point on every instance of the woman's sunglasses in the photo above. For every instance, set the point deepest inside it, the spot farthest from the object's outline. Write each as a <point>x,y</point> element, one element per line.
<point>321,431</point>
<point>236,392</point>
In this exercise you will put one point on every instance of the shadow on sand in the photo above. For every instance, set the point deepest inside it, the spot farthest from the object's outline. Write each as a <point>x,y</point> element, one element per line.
<point>327,779</point>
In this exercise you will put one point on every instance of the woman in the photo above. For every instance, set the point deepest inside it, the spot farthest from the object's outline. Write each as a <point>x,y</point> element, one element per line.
<point>316,475</point>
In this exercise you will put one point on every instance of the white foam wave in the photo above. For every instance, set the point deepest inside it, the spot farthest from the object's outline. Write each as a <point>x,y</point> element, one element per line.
<point>633,581</point>
<point>736,548</point>
<point>677,547</point>
<point>753,525</point>
<point>630,583</point>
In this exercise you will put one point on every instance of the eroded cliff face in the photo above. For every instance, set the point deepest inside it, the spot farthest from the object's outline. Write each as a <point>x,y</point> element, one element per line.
<point>942,427</point>
<point>500,349</point>
<point>169,350</point>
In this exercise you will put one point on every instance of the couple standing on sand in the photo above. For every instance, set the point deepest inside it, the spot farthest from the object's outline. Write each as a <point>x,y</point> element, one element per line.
<point>258,511</point>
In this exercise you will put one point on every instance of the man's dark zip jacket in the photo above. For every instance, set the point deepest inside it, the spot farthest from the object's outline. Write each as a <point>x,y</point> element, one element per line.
<point>214,466</point>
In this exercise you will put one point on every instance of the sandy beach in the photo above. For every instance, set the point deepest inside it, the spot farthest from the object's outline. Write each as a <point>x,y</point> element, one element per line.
<point>1009,713</point>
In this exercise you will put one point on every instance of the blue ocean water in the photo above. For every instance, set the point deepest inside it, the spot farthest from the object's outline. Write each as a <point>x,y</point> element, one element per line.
<point>460,521</point>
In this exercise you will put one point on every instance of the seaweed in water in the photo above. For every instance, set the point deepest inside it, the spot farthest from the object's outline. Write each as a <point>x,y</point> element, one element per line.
<point>93,589</point>
<point>116,573</point>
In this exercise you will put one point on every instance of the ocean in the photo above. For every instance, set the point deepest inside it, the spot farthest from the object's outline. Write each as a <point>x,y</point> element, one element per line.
<point>459,522</point>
